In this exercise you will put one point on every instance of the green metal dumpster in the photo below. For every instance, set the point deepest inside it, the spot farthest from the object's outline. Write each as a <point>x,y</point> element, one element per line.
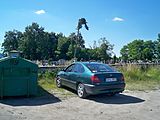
<point>18,77</point>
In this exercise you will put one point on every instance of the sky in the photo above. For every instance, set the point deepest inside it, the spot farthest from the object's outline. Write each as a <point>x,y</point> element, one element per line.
<point>120,21</point>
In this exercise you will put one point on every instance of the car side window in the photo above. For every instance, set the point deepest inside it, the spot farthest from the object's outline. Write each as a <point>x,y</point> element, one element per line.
<point>70,68</point>
<point>78,68</point>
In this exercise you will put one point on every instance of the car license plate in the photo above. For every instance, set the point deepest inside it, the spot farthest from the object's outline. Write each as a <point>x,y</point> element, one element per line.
<point>111,79</point>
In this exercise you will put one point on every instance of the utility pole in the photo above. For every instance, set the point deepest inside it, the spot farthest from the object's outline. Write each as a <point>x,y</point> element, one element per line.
<point>82,21</point>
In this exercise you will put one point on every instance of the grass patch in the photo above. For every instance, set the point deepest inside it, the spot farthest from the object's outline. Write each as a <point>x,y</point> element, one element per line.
<point>46,80</point>
<point>141,77</point>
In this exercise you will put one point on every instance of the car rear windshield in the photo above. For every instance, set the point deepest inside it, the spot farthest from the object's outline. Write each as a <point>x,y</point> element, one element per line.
<point>99,68</point>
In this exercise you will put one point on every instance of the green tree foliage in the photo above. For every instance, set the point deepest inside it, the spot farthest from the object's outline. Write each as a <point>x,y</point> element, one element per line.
<point>105,49</point>
<point>138,50</point>
<point>102,52</point>
<point>49,46</point>
<point>11,40</point>
<point>76,42</point>
<point>148,51</point>
<point>32,41</point>
<point>37,44</point>
<point>84,54</point>
<point>135,50</point>
<point>62,47</point>
<point>125,53</point>
<point>158,37</point>
<point>94,54</point>
<point>157,47</point>
<point>80,41</point>
<point>72,38</point>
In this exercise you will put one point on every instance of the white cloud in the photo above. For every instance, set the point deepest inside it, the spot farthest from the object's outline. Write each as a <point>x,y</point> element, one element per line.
<point>117,19</point>
<point>40,12</point>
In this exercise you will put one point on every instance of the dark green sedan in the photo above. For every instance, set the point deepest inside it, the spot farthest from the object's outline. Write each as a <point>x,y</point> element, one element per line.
<point>91,78</point>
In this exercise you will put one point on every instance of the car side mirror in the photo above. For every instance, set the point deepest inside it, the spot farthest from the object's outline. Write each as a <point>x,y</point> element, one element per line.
<point>63,69</point>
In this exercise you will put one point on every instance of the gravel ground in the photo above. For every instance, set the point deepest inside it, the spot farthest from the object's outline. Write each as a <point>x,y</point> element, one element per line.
<point>126,106</point>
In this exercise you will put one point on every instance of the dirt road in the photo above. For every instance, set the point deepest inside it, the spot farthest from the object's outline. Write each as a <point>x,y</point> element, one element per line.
<point>126,106</point>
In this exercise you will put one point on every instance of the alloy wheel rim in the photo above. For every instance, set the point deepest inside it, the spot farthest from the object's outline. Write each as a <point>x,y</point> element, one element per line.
<point>58,82</point>
<point>80,90</point>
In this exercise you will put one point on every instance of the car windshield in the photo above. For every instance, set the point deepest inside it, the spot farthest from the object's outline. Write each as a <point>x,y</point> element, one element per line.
<point>99,68</point>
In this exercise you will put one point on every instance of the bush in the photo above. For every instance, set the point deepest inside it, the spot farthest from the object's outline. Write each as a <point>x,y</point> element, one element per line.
<point>48,74</point>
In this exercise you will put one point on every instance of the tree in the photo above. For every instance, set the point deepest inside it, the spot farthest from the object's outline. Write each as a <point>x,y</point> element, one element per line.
<point>125,53</point>
<point>84,54</point>
<point>94,54</point>
<point>78,45</point>
<point>11,40</point>
<point>72,38</point>
<point>157,47</point>
<point>105,49</point>
<point>82,21</point>
<point>52,45</point>
<point>138,50</point>
<point>158,37</point>
<point>48,46</point>
<point>36,44</point>
<point>148,52</point>
<point>135,50</point>
<point>32,42</point>
<point>62,47</point>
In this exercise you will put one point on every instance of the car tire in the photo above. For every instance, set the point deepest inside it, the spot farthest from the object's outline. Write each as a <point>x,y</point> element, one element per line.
<point>81,91</point>
<point>58,82</point>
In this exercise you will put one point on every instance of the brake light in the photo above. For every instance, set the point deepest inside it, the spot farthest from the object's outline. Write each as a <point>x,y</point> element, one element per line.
<point>95,79</point>
<point>122,78</point>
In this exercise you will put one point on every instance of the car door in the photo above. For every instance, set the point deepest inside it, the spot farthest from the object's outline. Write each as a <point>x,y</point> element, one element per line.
<point>66,76</point>
<point>76,75</point>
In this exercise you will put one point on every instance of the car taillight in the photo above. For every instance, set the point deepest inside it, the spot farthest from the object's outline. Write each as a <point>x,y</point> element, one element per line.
<point>95,79</point>
<point>122,78</point>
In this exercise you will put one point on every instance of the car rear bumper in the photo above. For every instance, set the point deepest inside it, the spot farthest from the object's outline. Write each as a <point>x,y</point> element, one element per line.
<point>98,89</point>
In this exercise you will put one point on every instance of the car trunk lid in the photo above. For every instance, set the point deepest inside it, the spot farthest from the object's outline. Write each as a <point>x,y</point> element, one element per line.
<point>108,77</point>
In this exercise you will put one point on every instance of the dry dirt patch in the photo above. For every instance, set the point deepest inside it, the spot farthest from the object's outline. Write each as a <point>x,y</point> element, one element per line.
<point>126,106</point>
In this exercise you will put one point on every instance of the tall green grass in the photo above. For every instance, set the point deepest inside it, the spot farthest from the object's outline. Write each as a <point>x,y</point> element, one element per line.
<point>141,77</point>
<point>47,79</point>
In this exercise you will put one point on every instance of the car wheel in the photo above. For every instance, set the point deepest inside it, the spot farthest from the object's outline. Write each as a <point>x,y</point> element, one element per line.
<point>81,91</point>
<point>58,82</point>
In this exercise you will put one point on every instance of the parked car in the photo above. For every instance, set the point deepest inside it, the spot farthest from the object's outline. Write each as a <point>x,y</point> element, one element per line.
<point>91,78</point>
